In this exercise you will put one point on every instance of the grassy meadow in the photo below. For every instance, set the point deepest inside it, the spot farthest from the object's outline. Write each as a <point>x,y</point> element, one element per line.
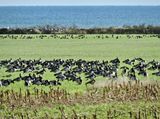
<point>90,48</point>
<point>78,101</point>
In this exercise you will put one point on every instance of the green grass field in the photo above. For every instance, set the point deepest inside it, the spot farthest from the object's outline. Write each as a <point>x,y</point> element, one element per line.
<point>89,48</point>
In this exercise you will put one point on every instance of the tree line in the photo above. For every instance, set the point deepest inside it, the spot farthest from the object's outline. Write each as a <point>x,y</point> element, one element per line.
<point>140,29</point>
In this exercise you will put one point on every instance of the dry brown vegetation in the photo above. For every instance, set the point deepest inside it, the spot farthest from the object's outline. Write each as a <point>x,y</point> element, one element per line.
<point>113,92</point>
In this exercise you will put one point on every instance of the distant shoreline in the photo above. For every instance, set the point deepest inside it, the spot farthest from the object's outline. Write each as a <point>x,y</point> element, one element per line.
<point>49,29</point>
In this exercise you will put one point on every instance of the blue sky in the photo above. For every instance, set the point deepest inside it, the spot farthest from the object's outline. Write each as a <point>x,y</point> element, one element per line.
<point>78,2</point>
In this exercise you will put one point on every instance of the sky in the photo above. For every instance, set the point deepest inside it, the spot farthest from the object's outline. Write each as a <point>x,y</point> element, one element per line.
<point>78,2</point>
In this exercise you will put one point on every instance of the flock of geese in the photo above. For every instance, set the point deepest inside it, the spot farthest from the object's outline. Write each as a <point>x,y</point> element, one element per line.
<point>77,36</point>
<point>71,70</point>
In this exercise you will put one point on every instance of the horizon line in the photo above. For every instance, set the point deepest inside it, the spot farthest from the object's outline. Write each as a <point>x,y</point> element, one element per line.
<point>70,5</point>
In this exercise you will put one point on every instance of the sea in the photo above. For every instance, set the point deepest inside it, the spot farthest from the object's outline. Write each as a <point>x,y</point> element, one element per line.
<point>79,16</point>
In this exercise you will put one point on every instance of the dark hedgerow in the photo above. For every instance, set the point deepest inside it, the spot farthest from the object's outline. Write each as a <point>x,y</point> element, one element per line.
<point>141,29</point>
